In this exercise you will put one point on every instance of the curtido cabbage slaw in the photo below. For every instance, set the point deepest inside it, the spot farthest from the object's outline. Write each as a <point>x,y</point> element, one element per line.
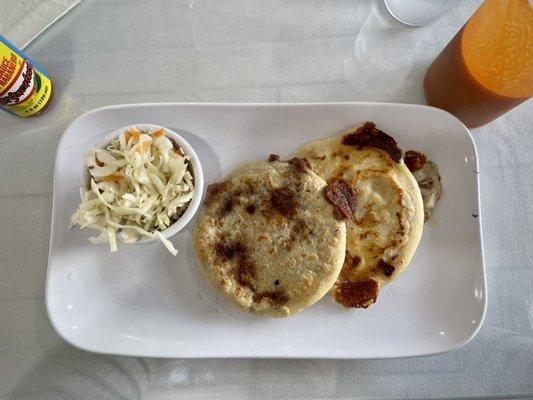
<point>140,184</point>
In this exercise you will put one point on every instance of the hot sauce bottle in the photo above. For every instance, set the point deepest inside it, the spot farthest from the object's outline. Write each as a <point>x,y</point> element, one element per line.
<point>25,88</point>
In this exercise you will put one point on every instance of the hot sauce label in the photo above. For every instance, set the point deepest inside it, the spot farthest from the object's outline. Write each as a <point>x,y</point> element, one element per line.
<point>25,89</point>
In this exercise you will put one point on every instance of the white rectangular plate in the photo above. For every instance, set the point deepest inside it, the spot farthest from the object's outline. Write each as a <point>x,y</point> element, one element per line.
<point>142,301</point>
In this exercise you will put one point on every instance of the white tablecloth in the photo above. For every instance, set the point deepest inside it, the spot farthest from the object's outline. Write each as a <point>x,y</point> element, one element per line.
<point>106,52</point>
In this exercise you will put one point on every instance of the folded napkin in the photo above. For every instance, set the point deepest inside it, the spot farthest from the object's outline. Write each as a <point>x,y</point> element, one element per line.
<point>21,21</point>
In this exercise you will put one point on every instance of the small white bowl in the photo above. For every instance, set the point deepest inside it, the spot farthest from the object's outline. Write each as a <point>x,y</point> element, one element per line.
<point>197,171</point>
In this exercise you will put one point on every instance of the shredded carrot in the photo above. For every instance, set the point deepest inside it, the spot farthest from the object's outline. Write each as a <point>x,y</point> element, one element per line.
<point>127,136</point>
<point>135,134</point>
<point>112,178</point>
<point>158,133</point>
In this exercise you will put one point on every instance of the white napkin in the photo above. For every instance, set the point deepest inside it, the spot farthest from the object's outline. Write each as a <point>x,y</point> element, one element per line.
<point>21,21</point>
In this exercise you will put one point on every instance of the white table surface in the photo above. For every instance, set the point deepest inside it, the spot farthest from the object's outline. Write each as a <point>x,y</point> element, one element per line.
<point>106,52</point>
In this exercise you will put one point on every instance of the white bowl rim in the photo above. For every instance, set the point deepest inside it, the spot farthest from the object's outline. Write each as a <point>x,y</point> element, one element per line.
<point>194,204</point>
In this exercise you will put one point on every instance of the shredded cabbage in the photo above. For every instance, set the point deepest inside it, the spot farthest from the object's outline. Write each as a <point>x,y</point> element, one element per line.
<point>140,184</point>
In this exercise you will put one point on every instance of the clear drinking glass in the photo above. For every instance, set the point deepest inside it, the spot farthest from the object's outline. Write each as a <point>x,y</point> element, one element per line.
<point>417,12</point>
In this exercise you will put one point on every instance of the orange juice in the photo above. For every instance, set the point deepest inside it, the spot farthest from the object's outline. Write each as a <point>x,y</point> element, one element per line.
<point>487,68</point>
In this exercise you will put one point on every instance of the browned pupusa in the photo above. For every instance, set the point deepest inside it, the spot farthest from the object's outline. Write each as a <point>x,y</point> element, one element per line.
<point>268,239</point>
<point>385,229</point>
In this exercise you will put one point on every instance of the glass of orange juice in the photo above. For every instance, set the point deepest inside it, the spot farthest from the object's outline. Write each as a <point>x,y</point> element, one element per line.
<point>487,68</point>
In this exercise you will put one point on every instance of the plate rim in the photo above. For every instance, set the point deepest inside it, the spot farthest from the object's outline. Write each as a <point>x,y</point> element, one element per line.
<point>457,345</point>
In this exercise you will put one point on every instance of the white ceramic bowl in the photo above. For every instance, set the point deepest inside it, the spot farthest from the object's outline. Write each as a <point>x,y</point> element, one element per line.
<point>196,170</point>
